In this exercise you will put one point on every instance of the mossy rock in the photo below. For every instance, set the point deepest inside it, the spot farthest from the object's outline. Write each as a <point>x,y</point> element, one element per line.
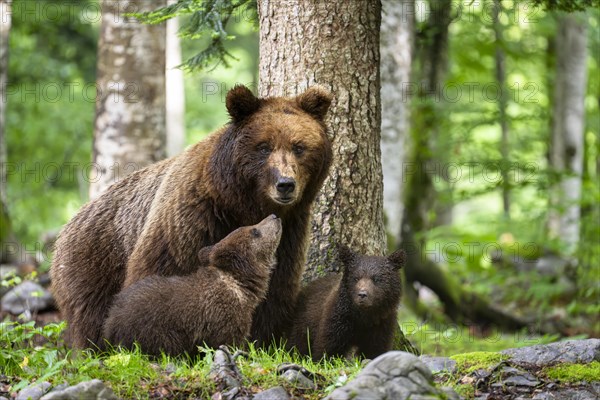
<point>469,362</point>
<point>574,373</point>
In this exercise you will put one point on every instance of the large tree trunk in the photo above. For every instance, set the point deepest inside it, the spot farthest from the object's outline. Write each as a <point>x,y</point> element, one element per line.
<point>175,94</point>
<point>566,150</point>
<point>335,44</point>
<point>396,47</point>
<point>130,128</point>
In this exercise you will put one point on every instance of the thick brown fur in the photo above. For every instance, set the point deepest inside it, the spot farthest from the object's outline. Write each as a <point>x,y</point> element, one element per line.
<point>213,306</point>
<point>154,221</point>
<point>353,313</point>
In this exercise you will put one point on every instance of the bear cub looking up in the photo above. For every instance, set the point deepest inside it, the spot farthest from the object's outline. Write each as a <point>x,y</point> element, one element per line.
<point>213,306</point>
<point>353,313</point>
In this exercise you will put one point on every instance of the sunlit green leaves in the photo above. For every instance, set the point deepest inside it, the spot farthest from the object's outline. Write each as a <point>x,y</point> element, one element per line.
<point>207,19</point>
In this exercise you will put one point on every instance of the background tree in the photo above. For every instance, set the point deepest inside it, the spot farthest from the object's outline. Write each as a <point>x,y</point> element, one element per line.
<point>396,47</point>
<point>319,46</point>
<point>130,125</point>
<point>568,123</point>
<point>5,225</point>
<point>500,71</point>
<point>431,64</point>
<point>5,22</point>
<point>175,90</point>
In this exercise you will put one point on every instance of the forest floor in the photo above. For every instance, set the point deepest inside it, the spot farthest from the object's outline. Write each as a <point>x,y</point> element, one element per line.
<point>37,355</point>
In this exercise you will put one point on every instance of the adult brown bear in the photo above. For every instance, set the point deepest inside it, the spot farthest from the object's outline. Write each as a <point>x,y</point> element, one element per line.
<point>271,158</point>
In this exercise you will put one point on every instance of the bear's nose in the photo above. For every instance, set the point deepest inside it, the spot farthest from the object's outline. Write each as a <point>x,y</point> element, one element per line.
<point>286,185</point>
<point>362,294</point>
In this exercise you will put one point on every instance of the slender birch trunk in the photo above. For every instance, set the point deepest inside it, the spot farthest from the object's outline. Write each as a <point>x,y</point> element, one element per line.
<point>396,47</point>
<point>566,149</point>
<point>130,127</point>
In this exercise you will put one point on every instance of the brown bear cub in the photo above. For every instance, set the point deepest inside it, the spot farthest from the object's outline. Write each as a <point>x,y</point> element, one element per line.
<point>271,158</point>
<point>353,313</point>
<point>213,306</point>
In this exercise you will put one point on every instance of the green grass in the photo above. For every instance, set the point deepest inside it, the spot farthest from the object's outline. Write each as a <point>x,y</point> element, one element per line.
<point>131,374</point>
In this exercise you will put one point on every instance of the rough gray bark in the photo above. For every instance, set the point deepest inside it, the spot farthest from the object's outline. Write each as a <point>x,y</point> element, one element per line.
<point>397,25</point>
<point>5,22</point>
<point>502,104</point>
<point>129,131</point>
<point>566,149</point>
<point>334,44</point>
<point>175,93</point>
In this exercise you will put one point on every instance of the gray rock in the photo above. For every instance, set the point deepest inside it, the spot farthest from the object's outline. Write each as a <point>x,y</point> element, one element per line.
<point>570,351</point>
<point>552,265</point>
<point>393,375</point>
<point>57,388</point>
<point>515,377</point>
<point>275,393</point>
<point>298,380</point>
<point>89,390</point>
<point>33,392</point>
<point>439,364</point>
<point>568,394</point>
<point>521,380</point>
<point>26,297</point>
<point>224,370</point>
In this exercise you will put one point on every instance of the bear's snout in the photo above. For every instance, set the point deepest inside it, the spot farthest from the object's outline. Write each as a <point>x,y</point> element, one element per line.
<point>270,228</point>
<point>286,186</point>
<point>364,292</point>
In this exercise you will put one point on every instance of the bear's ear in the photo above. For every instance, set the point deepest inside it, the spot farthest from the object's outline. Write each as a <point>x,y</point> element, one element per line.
<point>241,103</point>
<point>221,258</point>
<point>204,255</point>
<point>397,259</point>
<point>345,255</point>
<point>315,101</point>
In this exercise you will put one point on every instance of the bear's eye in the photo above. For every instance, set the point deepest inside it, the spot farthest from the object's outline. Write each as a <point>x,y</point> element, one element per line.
<point>298,149</point>
<point>264,149</point>
<point>255,233</point>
